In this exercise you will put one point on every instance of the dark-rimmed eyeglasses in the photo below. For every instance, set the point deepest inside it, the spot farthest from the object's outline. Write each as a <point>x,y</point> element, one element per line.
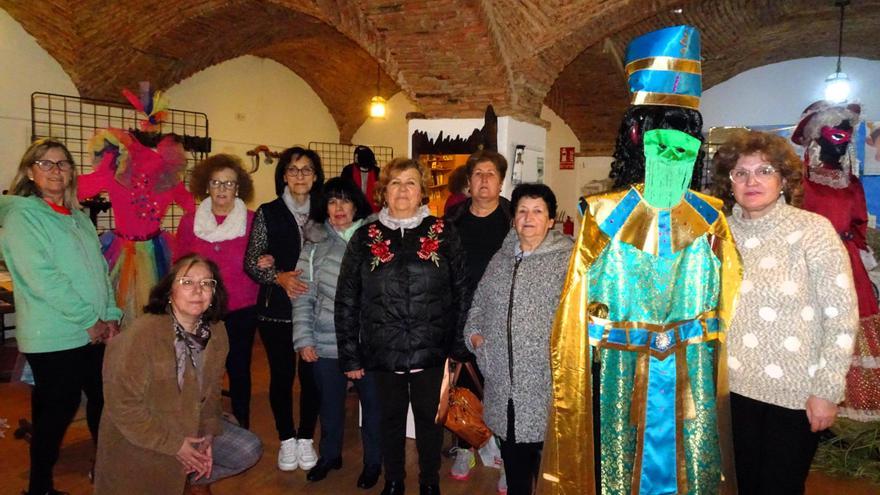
<point>190,284</point>
<point>301,172</point>
<point>222,184</point>
<point>48,165</point>
<point>761,173</point>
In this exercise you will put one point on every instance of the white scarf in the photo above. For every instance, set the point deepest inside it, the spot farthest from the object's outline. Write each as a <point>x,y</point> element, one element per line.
<point>235,225</point>
<point>403,223</point>
<point>299,211</point>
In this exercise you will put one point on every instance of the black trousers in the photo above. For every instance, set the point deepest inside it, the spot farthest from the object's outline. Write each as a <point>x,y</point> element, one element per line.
<point>241,326</point>
<point>396,392</point>
<point>773,447</point>
<point>522,461</point>
<point>278,340</point>
<point>59,379</point>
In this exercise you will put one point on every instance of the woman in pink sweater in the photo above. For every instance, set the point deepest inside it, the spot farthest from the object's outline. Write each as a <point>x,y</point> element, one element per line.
<point>219,231</point>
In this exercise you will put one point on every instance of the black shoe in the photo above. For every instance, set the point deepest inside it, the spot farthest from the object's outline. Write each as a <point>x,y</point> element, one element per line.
<point>432,489</point>
<point>394,488</point>
<point>369,476</point>
<point>323,467</point>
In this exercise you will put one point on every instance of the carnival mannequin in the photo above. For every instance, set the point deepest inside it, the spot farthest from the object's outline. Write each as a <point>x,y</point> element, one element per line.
<point>141,183</point>
<point>832,190</point>
<point>649,292</point>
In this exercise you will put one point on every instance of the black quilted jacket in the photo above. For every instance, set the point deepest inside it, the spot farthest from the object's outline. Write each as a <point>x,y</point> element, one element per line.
<point>405,313</point>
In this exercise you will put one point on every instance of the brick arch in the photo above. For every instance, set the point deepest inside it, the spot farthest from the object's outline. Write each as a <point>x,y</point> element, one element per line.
<point>102,56</point>
<point>738,35</point>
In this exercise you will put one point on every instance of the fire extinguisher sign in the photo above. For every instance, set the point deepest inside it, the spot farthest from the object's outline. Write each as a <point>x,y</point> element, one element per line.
<point>566,158</point>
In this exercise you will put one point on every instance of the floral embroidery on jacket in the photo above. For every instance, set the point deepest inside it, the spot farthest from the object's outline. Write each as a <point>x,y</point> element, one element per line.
<point>431,244</point>
<point>379,248</point>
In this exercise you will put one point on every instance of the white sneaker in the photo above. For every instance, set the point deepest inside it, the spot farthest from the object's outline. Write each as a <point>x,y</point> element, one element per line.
<point>502,482</point>
<point>463,463</point>
<point>306,453</point>
<point>287,455</point>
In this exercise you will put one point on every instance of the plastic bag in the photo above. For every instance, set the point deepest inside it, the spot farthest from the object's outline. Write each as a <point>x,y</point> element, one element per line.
<point>490,454</point>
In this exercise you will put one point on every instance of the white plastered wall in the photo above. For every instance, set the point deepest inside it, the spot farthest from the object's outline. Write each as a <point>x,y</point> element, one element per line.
<point>252,100</point>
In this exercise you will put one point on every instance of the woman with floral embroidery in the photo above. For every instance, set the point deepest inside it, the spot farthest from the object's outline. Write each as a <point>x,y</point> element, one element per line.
<point>400,301</point>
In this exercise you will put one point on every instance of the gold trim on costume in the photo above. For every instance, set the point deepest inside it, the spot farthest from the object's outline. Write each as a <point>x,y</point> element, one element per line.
<point>664,63</point>
<point>651,328</point>
<point>567,462</point>
<point>638,414</point>
<point>668,99</point>
<point>641,229</point>
<point>684,409</point>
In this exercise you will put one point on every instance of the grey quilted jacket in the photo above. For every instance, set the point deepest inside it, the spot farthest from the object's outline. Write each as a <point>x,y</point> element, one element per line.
<point>313,311</point>
<point>537,284</point>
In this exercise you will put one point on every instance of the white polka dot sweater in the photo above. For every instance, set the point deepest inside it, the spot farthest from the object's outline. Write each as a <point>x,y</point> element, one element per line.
<point>797,316</point>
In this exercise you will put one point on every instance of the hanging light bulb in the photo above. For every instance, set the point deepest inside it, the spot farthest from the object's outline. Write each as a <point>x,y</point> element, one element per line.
<point>377,103</point>
<point>377,107</point>
<point>837,86</point>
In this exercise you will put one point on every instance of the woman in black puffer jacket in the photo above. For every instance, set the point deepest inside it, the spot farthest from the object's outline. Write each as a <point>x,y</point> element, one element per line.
<point>400,304</point>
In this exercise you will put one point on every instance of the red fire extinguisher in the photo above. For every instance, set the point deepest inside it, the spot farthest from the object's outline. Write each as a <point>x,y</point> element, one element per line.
<point>568,226</point>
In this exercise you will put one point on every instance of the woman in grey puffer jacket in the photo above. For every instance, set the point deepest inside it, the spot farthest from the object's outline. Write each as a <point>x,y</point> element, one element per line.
<point>508,328</point>
<point>314,331</point>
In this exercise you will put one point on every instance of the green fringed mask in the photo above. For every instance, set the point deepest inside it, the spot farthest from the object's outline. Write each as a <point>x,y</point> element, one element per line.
<point>669,165</point>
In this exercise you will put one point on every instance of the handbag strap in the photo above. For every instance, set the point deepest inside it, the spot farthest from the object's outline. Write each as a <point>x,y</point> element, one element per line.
<point>456,372</point>
<point>471,371</point>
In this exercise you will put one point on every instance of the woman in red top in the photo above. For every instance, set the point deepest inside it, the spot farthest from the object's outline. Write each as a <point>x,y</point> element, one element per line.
<point>219,230</point>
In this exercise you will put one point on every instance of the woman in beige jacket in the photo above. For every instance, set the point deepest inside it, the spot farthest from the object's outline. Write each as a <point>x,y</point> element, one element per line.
<point>161,423</point>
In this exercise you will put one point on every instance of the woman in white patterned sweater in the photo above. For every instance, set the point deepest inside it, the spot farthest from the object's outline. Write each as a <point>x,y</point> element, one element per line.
<point>791,339</point>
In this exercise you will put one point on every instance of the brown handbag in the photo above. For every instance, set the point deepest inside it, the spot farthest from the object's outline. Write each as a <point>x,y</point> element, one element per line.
<point>460,410</point>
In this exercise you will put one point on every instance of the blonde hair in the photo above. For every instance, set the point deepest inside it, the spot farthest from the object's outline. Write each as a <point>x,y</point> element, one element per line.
<point>23,185</point>
<point>394,168</point>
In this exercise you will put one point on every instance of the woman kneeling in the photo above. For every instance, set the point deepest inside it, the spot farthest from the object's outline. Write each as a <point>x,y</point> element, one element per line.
<point>161,423</point>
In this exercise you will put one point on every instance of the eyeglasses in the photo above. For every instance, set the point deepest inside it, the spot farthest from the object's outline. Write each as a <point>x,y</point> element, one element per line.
<point>48,165</point>
<point>189,284</point>
<point>222,184</point>
<point>301,172</point>
<point>762,174</point>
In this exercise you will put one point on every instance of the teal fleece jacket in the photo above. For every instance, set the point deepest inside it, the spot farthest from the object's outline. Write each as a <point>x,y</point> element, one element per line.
<point>59,275</point>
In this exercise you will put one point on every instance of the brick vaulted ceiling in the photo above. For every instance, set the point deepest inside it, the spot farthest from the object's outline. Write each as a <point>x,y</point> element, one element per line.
<point>452,58</point>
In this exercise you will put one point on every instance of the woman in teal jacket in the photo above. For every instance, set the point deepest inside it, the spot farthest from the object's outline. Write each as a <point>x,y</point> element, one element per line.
<point>65,309</point>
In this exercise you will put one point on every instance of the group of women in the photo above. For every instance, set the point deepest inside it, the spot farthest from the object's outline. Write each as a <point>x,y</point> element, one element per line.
<point>382,300</point>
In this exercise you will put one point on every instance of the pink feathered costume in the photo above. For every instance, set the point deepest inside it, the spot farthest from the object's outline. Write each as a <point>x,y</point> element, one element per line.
<point>142,183</point>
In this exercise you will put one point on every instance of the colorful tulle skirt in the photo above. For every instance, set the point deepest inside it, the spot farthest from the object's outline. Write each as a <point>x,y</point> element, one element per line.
<point>136,265</point>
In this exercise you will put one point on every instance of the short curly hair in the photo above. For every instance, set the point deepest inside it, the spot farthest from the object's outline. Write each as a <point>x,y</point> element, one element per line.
<point>201,176</point>
<point>775,149</point>
<point>395,167</point>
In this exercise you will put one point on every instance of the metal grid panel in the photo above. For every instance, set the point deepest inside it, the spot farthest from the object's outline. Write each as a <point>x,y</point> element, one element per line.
<point>335,156</point>
<point>74,121</point>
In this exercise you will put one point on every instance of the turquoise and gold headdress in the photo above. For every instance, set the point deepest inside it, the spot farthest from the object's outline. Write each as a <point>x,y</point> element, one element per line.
<point>663,68</point>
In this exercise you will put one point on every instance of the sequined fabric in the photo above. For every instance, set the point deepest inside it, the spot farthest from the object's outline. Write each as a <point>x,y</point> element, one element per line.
<point>637,286</point>
<point>645,267</point>
<point>862,401</point>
